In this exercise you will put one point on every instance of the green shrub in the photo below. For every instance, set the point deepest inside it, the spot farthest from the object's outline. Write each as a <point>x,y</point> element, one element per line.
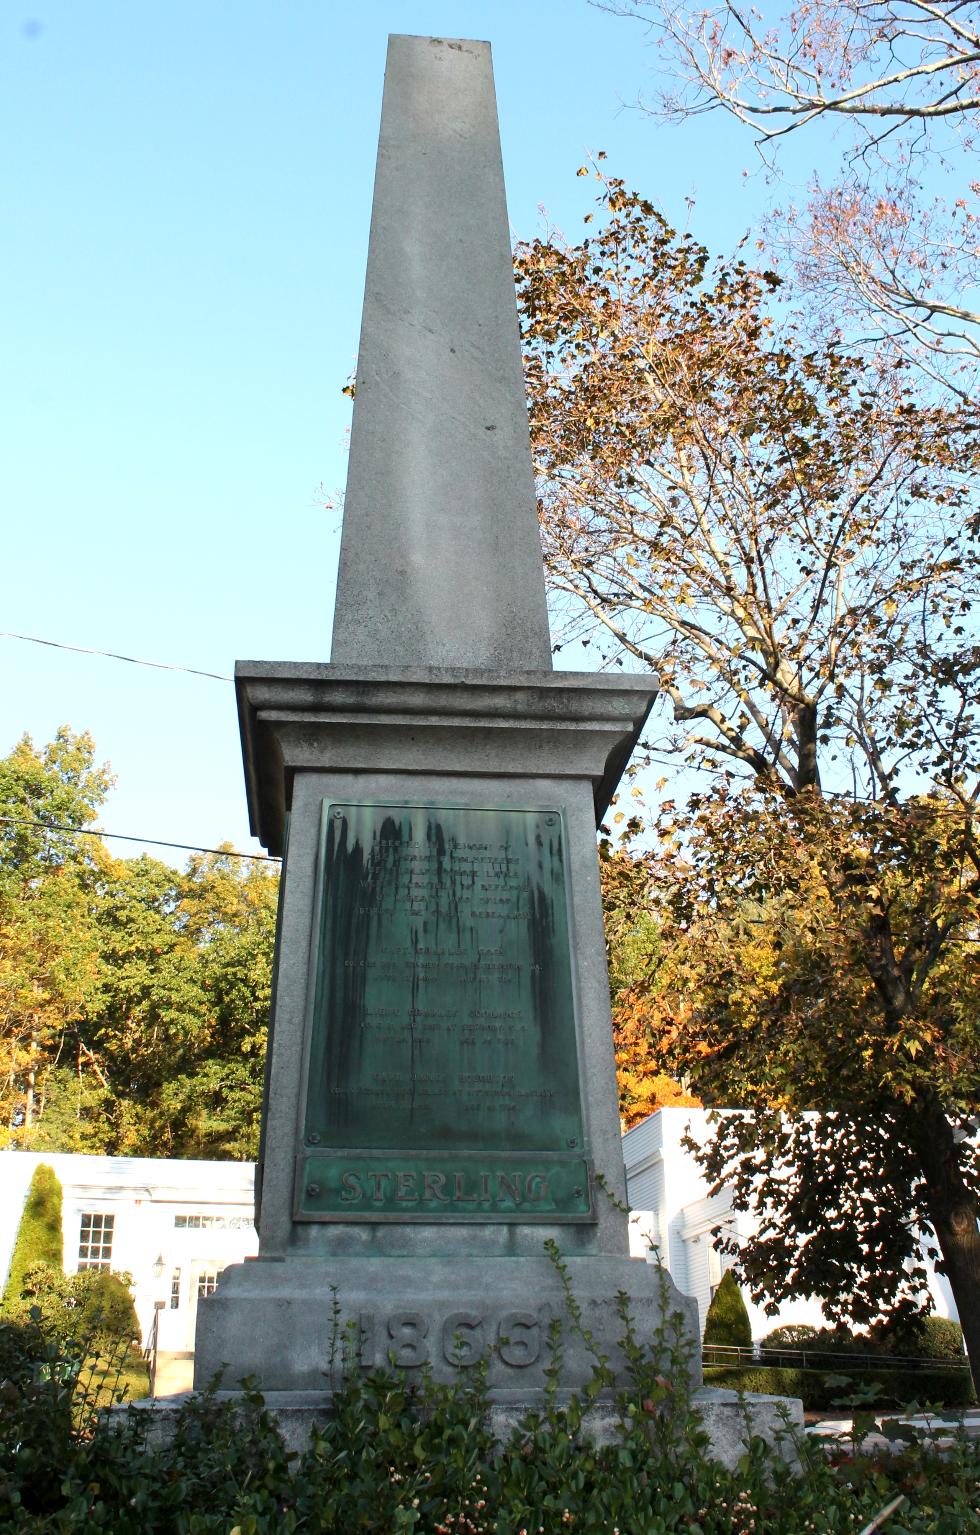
<point>826,1390</point>
<point>35,1413</point>
<point>93,1307</point>
<point>792,1335</point>
<point>413,1455</point>
<point>401,1452</point>
<point>804,1347</point>
<point>105,1305</point>
<point>727,1322</point>
<point>924,1337</point>
<point>39,1238</point>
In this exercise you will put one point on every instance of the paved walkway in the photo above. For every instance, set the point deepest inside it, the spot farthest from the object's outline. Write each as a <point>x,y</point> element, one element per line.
<point>936,1428</point>
<point>175,1372</point>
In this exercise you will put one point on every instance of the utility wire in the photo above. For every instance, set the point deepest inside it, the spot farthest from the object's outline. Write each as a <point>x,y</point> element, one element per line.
<point>113,655</point>
<point>193,671</point>
<point>119,836</point>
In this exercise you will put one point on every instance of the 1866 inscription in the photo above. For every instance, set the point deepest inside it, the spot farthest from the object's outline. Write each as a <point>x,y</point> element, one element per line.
<point>443,1069</point>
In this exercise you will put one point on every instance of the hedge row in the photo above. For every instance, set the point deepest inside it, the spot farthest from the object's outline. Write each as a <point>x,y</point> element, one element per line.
<point>822,1389</point>
<point>400,1457</point>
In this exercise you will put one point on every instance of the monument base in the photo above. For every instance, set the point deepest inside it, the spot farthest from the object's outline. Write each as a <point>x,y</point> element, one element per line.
<point>297,1324</point>
<point>729,1421</point>
<point>293,1327</point>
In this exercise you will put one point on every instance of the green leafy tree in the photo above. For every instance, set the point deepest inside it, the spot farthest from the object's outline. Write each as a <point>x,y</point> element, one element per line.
<point>39,1238</point>
<point>48,885</point>
<point>134,996</point>
<point>789,539</point>
<point>185,987</point>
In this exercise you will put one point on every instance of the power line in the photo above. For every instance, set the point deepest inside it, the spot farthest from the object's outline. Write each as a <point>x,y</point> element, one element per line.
<point>113,655</point>
<point>119,836</point>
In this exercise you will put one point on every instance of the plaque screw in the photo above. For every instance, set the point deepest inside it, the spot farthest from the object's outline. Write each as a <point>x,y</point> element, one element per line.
<point>550,820</point>
<point>577,1193</point>
<point>314,1139</point>
<point>571,1142</point>
<point>338,815</point>
<point>313,1189</point>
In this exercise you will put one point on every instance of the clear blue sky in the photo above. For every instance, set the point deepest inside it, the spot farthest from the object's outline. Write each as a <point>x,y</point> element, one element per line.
<point>187,193</point>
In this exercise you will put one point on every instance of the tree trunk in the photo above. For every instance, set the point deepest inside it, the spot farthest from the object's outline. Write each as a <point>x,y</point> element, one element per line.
<point>31,1082</point>
<point>953,1212</point>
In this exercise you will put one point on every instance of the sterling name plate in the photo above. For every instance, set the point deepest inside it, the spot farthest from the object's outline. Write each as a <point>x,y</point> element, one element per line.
<point>443,1068</point>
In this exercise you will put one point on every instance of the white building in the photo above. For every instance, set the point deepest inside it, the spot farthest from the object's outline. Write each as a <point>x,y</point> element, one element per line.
<point>175,1225</point>
<point>172,1225</point>
<point>674,1213</point>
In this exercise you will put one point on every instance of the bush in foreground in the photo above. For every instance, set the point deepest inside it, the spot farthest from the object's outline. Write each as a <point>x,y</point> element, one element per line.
<point>418,1456</point>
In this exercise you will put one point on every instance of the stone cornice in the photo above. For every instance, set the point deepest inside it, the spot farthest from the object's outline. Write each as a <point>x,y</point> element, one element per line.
<point>297,716</point>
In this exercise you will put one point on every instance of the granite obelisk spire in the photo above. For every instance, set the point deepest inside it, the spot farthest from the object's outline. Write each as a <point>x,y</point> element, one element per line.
<point>441,1091</point>
<point>440,561</point>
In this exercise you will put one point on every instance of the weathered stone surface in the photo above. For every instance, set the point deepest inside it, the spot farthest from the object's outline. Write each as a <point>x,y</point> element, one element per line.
<point>296,716</point>
<point>728,1421</point>
<point>440,563</point>
<point>288,1325</point>
<point>440,697</point>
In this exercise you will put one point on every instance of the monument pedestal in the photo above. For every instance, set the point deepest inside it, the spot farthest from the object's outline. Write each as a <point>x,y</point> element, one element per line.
<point>296,1325</point>
<point>440,1058</point>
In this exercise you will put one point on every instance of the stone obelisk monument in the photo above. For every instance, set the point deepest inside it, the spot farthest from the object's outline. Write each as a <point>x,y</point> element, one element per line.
<point>441,1094</point>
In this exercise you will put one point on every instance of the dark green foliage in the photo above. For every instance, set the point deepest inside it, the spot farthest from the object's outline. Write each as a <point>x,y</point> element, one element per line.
<point>727,1321</point>
<point>404,1453</point>
<point>51,1393</point>
<point>94,1305</point>
<point>803,1346</point>
<point>821,1390</point>
<point>793,1335</point>
<point>924,1337</point>
<point>39,1238</point>
<point>401,1455</point>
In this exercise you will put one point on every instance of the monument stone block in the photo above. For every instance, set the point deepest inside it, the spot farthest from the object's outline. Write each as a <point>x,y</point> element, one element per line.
<point>441,1095</point>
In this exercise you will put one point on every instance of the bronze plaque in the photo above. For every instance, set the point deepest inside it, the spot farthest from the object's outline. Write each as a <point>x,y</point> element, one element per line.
<point>443,1068</point>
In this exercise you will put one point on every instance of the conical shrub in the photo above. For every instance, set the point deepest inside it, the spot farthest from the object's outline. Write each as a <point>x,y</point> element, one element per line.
<point>39,1238</point>
<point>727,1323</point>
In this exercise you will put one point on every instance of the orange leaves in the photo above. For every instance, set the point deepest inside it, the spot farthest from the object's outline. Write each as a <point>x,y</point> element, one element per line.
<point>766,517</point>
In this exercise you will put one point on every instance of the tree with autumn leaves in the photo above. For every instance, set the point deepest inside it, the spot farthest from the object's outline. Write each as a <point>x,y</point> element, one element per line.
<point>635,950</point>
<point>788,537</point>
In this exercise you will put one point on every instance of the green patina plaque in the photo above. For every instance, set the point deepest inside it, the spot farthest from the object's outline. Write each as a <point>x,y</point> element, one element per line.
<point>463,1187</point>
<point>443,1061</point>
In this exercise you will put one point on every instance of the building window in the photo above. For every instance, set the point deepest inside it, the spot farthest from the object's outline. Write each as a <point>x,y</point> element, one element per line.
<point>212,1222</point>
<point>207,1283</point>
<point>175,1290</point>
<point>95,1242</point>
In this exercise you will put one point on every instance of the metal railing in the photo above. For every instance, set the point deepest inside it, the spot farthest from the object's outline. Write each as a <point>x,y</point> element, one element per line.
<point>821,1359</point>
<point>151,1350</point>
